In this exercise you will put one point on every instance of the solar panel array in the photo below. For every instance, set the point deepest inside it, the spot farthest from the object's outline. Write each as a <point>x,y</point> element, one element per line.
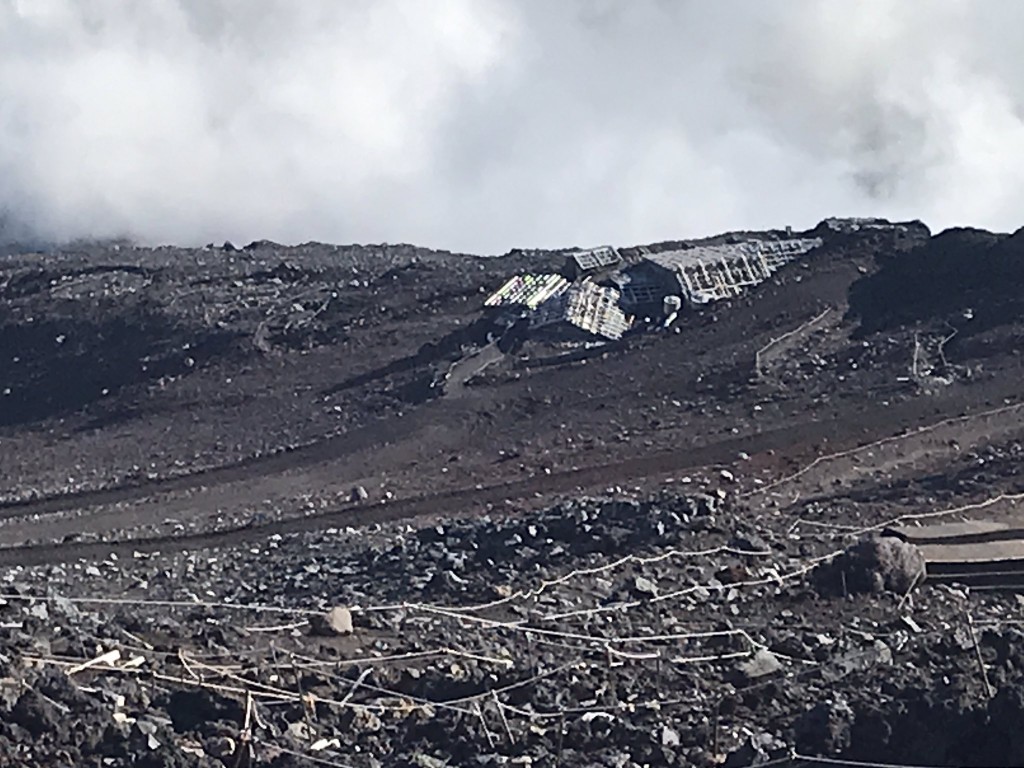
<point>529,291</point>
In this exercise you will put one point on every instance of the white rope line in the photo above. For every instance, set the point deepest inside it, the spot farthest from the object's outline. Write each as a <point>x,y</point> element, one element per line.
<point>278,692</point>
<point>520,626</point>
<point>788,334</point>
<point>855,763</point>
<point>463,613</point>
<point>451,704</point>
<point>1014,497</point>
<point>851,531</point>
<point>884,441</point>
<point>251,688</point>
<point>266,690</point>
<point>301,755</point>
<point>460,613</point>
<point>577,664</point>
<point>662,703</point>
<point>547,584</point>
<point>141,602</point>
<point>625,606</point>
<point>521,594</point>
<point>280,695</point>
<point>412,656</point>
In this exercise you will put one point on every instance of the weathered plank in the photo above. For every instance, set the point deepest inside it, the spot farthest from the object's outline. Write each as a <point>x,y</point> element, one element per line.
<point>967,530</point>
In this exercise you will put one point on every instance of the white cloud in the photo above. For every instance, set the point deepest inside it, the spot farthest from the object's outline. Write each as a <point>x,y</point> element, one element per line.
<point>487,124</point>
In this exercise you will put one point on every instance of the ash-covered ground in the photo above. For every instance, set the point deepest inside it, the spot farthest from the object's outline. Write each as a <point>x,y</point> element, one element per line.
<point>243,525</point>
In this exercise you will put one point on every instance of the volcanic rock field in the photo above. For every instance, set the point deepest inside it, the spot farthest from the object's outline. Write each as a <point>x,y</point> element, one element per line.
<point>250,515</point>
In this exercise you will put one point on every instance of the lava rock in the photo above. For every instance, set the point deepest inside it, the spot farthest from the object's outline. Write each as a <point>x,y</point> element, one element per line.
<point>762,664</point>
<point>825,728</point>
<point>190,710</point>
<point>34,713</point>
<point>336,622</point>
<point>645,587</point>
<point>872,566</point>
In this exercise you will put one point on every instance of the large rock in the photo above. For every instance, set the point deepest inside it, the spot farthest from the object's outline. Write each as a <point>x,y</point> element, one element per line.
<point>197,709</point>
<point>645,587</point>
<point>871,566</point>
<point>335,623</point>
<point>762,664</point>
<point>34,713</point>
<point>825,728</point>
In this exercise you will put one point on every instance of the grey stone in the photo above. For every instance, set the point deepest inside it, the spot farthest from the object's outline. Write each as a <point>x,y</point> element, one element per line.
<point>424,760</point>
<point>221,747</point>
<point>365,721</point>
<point>884,564</point>
<point>645,586</point>
<point>65,606</point>
<point>336,622</point>
<point>749,543</point>
<point>761,664</point>
<point>669,737</point>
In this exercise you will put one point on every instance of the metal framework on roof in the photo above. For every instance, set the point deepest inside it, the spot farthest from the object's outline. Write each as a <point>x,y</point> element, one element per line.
<point>589,307</point>
<point>699,274</point>
<point>593,259</point>
<point>714,272</point>
<point>641,293</point>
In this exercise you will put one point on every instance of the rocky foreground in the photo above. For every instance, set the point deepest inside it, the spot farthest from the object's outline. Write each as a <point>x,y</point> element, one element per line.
<point>240,526</point>
<point>600,632</point>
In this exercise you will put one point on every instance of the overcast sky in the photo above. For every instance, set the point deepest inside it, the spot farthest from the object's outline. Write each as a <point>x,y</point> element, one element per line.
<point>483,125</point>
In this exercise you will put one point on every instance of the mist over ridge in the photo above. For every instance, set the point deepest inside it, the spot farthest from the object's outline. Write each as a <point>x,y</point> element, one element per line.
<point>479,125</point>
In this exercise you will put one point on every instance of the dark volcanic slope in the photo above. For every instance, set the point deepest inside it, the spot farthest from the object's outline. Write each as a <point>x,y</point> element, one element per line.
<point>958,270</point>
<point>130,365</point>
<point>153,361</point>
<point>181,432</point>
<point>126,316</point>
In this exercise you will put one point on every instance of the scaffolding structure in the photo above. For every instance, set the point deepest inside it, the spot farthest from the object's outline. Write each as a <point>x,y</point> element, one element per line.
<point>714,272</point>
<point>588,307</point>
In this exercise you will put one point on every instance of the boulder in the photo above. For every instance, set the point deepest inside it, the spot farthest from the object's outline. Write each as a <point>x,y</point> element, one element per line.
<point>336,622</point>
<point>762,664</point>
<point>871,566</point>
